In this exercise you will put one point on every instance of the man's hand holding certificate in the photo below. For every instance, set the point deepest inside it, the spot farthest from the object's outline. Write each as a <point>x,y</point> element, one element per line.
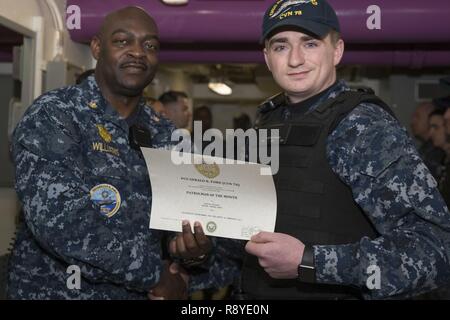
<point>229,200</point>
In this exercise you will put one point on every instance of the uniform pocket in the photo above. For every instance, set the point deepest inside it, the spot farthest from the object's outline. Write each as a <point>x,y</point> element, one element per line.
<point>380,164</point>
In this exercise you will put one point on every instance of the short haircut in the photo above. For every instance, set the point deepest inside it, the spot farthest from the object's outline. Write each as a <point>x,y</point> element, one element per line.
<point>335,36</point>
<point>83,76</point>
<point>150,99</point>
<point>437,112</point>
<point>171,96</point>
<point>200,109</point>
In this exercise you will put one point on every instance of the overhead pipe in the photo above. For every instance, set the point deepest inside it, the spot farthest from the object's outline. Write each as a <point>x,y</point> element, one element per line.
<point>409,59</point>
<point>200,21</point>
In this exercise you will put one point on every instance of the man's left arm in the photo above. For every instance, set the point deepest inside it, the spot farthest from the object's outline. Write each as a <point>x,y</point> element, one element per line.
<point>371,153</point>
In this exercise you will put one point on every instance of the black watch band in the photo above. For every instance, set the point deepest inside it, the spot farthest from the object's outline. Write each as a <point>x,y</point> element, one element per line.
<point>306,268</point>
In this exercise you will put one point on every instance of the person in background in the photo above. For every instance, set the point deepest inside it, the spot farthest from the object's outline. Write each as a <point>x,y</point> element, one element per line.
<point>444,182</point>
<point>443,105</point>
<point>155,104</point>
<point>432,156</point>
<point>436,129</point>
<point>176,108</point>
<point>242,122</point>
<point>419,121</point>
<point>204,115</point>
<point>83,76</point>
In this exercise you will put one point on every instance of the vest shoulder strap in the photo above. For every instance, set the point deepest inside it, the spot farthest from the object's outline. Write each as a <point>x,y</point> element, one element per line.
<point>272,103</point>
<point>349,100</point>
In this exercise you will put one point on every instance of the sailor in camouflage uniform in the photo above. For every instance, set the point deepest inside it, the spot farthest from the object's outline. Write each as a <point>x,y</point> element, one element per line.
<point>359,215</point>
<point>83,182</point>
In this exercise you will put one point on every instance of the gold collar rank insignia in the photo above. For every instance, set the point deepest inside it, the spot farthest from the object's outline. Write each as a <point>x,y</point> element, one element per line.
<point>104,134</point>
<point>93,105</point>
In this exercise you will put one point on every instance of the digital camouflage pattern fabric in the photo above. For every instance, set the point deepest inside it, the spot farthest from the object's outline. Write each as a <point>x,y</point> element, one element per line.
<point>86,199</point>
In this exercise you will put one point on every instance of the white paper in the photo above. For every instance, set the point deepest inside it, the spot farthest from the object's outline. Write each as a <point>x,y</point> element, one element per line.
<point>235,201</point>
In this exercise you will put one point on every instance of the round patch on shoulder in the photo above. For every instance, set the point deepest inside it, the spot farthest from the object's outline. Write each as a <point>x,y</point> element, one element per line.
<point>107,198</point>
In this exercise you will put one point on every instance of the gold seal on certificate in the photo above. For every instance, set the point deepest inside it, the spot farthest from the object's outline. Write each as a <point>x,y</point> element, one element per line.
<point>208,170</point>
<point>229,200</point>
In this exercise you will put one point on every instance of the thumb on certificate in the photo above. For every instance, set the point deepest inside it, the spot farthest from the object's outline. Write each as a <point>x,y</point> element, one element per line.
<point>262,237</point>
<point>253,248</point>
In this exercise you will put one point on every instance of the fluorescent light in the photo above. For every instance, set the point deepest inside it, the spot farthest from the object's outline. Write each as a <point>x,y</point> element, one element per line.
<point>175,2</point>
<point>220,88</point>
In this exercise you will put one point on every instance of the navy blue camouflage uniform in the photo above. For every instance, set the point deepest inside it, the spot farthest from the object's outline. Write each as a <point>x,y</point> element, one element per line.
<point>371,153</point>
<point>69,142</point>
<point>374,155</point>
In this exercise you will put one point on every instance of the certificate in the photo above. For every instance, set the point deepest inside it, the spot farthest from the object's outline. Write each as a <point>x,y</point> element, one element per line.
<point>229,200</point>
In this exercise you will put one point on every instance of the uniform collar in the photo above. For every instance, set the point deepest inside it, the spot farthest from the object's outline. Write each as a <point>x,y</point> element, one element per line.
<point>332,92</point>
<point>315,101</point>
<point>98,104</point>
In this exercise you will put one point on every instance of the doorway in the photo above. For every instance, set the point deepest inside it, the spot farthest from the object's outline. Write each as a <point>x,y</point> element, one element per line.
<point>17,69</point>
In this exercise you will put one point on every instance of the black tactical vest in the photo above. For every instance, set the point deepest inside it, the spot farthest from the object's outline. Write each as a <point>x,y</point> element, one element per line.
<point>313,204</point>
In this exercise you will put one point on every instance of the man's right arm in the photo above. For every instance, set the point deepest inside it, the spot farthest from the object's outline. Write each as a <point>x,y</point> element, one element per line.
<point>221,260</point>
<point>60,214</point>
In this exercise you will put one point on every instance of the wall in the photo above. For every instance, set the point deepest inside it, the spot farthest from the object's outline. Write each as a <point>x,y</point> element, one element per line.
<point>168,78</point>
<point>6,93</point>
<point>398,90</point>
<point>245,99</point>
<point>20,11</point>
<point>8,201</point>
<point>36,16</point>
<point>23,12</point>
<point>75,53</point>
<point>402,88</point>
<point>223,114</point>
<point>9,209</point>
